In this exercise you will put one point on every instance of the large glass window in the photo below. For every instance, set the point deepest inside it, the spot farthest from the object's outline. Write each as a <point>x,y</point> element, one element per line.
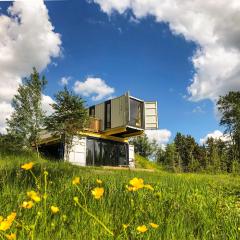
<point>123,156</point>
<point>97,153</point>
<point>136,113</point>
<point>90,152</point>
<point>103,152</point>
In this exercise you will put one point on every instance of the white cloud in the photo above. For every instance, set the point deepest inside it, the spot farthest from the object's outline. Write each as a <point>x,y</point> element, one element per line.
<point>27,40</point>
<point>162,136</point>
<point>93,87</point>
<point>46,101</point>
<point>6,110</point>
<point>64,81</point>
<point>212,25</point>
<point>216,135</point>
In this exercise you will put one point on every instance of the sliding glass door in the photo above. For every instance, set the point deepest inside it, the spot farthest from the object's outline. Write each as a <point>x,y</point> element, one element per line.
<point>109,153</point>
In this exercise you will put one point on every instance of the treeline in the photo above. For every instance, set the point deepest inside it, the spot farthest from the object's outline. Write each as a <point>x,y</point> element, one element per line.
<point>184,154</point>
<point>29,122</point>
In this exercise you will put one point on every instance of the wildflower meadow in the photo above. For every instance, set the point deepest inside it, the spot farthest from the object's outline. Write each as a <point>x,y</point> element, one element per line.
<point>51,200</point>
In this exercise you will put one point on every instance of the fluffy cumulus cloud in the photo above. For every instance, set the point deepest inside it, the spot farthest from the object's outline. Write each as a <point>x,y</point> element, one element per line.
<point>212,25</point>
<point>27,40</point>
<point>162,136</point>
<point>93,87</point>
<point>46,104</point>
<point>216,135</point>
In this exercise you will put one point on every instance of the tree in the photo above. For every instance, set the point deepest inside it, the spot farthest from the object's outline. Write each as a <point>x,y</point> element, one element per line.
<point>69,117</point>
<point>229,107</point>
<point>143,146</point>
<point>172,159</point>
<point>213,155</point>
<point>26,121</point>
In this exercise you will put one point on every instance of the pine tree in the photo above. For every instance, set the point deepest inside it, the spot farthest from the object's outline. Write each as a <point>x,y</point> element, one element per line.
<point>26,121</point>
<point>69,117</point>
<point>229,107</point>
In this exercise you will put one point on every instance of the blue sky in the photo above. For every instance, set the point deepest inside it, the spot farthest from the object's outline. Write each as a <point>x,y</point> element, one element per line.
<point>140,55</point>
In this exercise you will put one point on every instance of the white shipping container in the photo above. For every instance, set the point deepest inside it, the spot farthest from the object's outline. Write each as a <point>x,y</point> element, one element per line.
<point>77,155</point>
<point>151,115</point>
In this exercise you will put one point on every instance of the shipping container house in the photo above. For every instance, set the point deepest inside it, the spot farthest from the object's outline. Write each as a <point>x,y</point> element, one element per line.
<point>105,141</point>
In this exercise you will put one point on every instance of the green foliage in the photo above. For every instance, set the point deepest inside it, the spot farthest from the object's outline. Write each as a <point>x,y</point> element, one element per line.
<point>185,206</point>
<point>229,106</point>
<point>143,146</point>
<point>26,121</point>
<point>142,162</point>
<point>69,116</point>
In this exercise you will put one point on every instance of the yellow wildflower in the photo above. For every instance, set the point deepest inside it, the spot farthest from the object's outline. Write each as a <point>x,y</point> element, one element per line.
<point>136,183</point>
<point>54,209</point>
<point>125,226</point>
<point>27,204</point>
<point>11,217</point>
<point>11,236</point>
<point>148,186</point>
<point>7,223</point>
<point>75,199</point>
<point>1,219</point>
<point>27,166</point>
<point>76,181</point>
<point>154,225</point>
<point>97,192</point>
<point>34,196</point>
<point>142,229</point>
<point>99,181</point>
<point>131,189</point>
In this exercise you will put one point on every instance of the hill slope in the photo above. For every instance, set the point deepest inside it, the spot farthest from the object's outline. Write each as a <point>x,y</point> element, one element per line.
<point>142,162</point>
<point>181,206</point>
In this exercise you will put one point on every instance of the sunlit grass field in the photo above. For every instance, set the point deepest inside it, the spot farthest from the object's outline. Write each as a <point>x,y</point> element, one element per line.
<point>180,206</point>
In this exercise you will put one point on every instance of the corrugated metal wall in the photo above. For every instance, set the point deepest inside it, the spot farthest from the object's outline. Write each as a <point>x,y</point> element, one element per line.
<point>119,111</point>
<point>151,115</point>
<point>100,113</point>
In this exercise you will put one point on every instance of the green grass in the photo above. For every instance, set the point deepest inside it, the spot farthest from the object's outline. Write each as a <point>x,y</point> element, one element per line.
<point>141,162</point>
<point>185,206</point>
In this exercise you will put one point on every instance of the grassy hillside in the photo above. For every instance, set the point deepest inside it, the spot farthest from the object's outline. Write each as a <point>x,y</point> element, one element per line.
<point>183,206</point>
<point>142,162</point>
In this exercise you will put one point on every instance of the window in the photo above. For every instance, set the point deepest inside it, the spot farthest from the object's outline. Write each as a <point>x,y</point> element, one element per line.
<point>136,113</point>
<point>108,114</point>
<point>104,152</point>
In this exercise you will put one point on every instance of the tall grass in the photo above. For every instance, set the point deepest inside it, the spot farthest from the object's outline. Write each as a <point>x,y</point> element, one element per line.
<point>184,206</point>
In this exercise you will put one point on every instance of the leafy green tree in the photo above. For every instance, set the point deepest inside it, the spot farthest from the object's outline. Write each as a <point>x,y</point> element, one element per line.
<point>229,107</point>
<point>213,155</point>
<point>143,146</point>
<point>186,148</point>
<point>69,117</point>
<point>172,159</point>
<point>26,121</point>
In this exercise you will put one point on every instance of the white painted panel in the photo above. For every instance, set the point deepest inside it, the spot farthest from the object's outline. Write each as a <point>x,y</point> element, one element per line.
<point>131,156</point>
<point>77,154</point>
<point>151,119</point>
<point>151,111</point>
<point>151,115</point>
